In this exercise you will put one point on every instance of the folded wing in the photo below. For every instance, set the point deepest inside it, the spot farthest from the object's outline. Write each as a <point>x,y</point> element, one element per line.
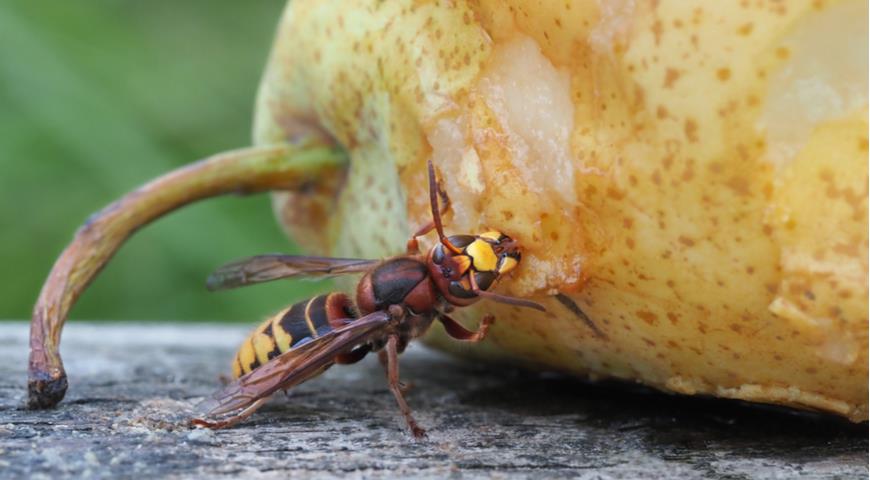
<point>292,367</point>
<point>265,268</point>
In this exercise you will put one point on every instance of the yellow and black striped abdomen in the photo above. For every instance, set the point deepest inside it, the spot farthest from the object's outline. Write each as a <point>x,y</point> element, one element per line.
<point>300,323</point>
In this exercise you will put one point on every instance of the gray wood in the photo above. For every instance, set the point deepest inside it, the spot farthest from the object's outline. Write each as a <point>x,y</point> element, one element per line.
<point>132,386</point>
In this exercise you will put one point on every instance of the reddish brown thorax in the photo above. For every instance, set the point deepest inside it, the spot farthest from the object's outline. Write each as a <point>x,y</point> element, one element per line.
<point>398,281</point>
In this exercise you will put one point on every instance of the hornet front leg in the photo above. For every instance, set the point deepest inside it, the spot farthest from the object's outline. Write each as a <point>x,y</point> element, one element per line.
<point>457,331</point>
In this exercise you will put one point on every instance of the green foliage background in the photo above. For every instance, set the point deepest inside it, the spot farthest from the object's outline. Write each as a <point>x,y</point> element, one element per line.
<point>98,97</point>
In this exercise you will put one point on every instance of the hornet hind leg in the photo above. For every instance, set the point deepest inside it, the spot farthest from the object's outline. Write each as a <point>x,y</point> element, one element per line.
<point>390,357</point>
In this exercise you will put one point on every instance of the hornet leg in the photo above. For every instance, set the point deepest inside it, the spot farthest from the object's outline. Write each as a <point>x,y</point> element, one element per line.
<point>457,331</point>
<point>392,357</point>
<point>413,246</point>
<point>404,386</point>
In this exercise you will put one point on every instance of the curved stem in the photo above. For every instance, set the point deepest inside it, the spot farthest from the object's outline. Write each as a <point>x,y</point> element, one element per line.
<point>248,170</point>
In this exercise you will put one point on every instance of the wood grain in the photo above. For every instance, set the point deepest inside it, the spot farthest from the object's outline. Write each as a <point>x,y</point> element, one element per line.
<point>133,386</point>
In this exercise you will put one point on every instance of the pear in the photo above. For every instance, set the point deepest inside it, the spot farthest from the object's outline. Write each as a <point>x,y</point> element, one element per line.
<point>688,180</point>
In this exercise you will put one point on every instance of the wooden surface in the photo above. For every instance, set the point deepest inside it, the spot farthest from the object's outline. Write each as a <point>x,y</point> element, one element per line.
<point>132,386</point>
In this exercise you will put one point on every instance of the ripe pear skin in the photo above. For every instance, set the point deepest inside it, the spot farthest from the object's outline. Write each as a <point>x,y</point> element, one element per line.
<point>692,176</point>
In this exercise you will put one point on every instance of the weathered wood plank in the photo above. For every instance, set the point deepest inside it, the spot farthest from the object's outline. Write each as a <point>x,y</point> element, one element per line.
<point>131,387</point>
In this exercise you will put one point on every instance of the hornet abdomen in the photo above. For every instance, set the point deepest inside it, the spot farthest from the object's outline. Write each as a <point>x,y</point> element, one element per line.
<point>293,326</point>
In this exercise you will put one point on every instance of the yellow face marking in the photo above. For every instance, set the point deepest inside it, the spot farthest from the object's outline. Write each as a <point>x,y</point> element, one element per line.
<point>247,356</point>
<point>491,235</point>
<point>507,264</point>
<point>263,344</point>
<point>482,255</point>
<point>282,338</point>
<point>463,263</point>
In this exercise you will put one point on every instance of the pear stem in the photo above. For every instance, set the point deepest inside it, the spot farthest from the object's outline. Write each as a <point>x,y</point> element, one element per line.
<point>248,170</point>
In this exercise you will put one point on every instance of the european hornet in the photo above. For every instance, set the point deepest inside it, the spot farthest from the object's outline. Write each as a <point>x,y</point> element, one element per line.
<point>397,300</point>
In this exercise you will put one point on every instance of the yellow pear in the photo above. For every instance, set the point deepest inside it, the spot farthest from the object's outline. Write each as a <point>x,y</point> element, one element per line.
<point>692,175</point>
<point>689,178</point>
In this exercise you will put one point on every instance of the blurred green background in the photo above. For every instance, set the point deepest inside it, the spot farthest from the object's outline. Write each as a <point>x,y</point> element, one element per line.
<point>98,97</point>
